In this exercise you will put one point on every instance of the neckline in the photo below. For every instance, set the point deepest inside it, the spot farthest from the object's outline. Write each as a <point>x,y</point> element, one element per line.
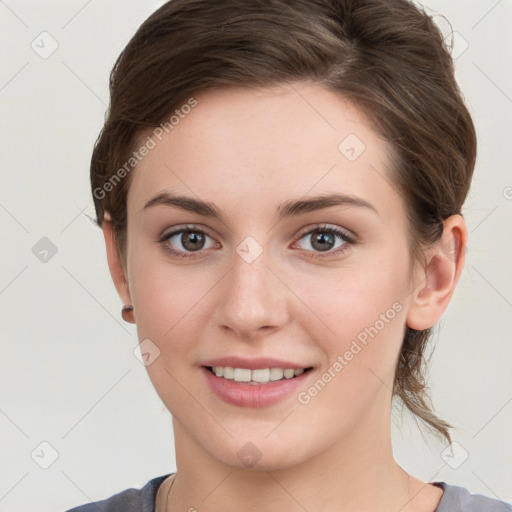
<point>159,480</point>
<point>443,487</point>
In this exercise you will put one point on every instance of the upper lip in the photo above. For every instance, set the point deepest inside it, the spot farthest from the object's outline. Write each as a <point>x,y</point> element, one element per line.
<point>254,363</point>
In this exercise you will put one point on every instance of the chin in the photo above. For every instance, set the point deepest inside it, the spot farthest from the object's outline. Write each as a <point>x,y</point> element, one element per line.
<point>262,455</point>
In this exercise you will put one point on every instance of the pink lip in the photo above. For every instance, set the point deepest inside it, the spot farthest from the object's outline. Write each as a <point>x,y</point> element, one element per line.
<point>254,364</point>
<point>248,395</point>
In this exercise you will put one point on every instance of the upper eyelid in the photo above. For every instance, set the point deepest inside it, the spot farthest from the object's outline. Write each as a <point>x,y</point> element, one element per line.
<point>302,232</point>
<point>187,227</point>
<point>325,226</point>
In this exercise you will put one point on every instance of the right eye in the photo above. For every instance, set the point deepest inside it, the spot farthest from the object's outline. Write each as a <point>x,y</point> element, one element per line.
<point>191,238</point>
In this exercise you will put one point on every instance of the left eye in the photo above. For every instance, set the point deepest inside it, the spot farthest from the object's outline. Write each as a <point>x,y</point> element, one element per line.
<point>323,239</point>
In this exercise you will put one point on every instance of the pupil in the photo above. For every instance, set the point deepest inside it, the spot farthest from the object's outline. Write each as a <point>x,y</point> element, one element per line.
<point>322,239</point>
<point>190,241</point>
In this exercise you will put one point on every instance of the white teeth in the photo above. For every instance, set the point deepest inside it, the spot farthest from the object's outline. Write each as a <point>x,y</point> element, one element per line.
<point>262,376</point>
<point>228,372</point>
<point>242,375</point>
<point>258,376</point>
<point>276,373</point>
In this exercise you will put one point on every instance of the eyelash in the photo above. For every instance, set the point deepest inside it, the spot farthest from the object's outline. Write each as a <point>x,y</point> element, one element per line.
<point>321,228</point>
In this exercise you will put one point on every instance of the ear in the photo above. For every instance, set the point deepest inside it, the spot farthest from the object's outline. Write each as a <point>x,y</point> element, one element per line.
<point>435,283</point>
<point>117,271</point>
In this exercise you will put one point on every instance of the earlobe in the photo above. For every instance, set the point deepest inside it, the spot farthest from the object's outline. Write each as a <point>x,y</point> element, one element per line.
<point>436,282</point>
<point>115,266</point>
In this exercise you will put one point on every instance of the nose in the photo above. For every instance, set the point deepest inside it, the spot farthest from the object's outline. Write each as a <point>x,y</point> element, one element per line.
<point>253,301</point>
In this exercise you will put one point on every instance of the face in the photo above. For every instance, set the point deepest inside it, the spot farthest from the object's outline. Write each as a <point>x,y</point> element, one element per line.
<point>267,277</point>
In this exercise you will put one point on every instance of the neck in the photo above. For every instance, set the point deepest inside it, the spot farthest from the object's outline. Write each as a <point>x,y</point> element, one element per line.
<point>357,474</point>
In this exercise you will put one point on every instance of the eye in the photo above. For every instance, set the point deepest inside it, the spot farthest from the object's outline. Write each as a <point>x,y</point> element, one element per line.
<point>192,239</point>
<point>322,239</point>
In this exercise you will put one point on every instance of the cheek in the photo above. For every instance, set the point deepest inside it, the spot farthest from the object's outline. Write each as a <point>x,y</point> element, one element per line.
<point>358,371</point>
<point>162,298</point>
<point>167,304</point>
<point>360,318</point>
<point>352,299</point>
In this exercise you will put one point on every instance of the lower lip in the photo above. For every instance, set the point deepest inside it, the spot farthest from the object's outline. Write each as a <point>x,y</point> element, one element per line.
<point>253,395</point>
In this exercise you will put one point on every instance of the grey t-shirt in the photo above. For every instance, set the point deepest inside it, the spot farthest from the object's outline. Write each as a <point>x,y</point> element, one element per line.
<point>454,499</point>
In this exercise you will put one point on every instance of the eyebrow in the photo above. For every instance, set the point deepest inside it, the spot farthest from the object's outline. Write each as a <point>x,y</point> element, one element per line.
<point>287,209</point>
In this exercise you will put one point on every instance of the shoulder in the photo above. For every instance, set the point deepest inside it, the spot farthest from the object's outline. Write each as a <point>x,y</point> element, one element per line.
<point>130,500</point>
<point>459,499</point>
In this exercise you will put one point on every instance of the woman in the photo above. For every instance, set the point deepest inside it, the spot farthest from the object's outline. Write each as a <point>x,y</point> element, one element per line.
<point>279,184</point>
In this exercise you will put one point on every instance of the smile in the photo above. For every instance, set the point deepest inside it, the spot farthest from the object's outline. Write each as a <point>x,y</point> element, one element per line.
<point>256,376</point>
<point>255,388</point>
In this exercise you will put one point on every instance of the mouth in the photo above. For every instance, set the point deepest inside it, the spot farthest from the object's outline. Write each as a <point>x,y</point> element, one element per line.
<point>256,382</point>
<point>257,376</point>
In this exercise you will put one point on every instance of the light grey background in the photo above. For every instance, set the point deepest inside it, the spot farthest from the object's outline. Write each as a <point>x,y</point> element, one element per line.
<point>68,374</point>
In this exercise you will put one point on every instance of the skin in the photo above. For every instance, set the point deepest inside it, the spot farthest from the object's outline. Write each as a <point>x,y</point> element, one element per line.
<point>247,151</point>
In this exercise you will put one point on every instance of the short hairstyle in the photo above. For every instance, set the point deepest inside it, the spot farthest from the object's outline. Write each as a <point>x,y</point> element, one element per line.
<point>387,57</point>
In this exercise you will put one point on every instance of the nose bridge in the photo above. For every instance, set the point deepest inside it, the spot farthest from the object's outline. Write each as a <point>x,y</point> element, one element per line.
<point>252,297</point>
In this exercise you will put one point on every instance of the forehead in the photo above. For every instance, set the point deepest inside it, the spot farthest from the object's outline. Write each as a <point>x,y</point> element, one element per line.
<point>263,145</point>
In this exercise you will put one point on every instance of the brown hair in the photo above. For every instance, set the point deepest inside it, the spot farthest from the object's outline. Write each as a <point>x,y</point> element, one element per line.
<point>386,56</point>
